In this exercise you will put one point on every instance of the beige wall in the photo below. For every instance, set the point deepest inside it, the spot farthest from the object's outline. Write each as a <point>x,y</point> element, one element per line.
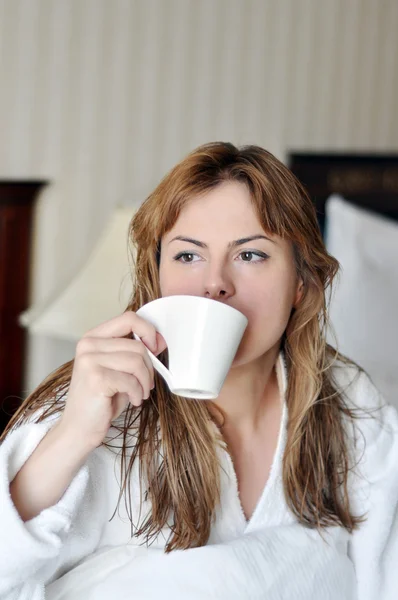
<point>103,96</point>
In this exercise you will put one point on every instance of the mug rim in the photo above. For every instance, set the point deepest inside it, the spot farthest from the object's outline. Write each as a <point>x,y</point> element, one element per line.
<point>196,298</point>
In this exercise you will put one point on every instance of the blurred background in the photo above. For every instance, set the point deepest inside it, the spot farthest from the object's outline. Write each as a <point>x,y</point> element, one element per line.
<point>99,98</point>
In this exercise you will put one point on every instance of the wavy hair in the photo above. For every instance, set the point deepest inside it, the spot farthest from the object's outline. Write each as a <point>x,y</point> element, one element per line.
<point>175,440</point>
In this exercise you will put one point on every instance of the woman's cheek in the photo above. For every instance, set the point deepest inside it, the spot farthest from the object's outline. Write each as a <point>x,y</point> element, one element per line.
<point>268,319</point>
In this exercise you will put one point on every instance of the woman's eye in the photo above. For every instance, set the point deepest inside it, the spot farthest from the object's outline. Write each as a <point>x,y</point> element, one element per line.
<point>185,257</point>
<point>247,256</point>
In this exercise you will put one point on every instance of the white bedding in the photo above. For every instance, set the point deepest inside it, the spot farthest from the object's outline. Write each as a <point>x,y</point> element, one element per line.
<point>364,307</point>
<point>273,564</point>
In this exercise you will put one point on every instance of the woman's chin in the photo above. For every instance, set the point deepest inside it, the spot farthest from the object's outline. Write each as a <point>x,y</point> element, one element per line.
<point>243,358</point>
<point>246,354</point>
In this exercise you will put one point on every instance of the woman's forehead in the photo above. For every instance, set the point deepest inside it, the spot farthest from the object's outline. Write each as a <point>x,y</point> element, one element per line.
<point>224,206</point>
<point>227,210</point>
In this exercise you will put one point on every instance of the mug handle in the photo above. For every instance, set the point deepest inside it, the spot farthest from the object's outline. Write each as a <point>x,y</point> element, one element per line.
<point>164,372</point>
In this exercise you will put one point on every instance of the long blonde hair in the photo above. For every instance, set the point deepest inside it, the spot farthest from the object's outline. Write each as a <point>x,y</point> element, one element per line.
<point>185,482</point>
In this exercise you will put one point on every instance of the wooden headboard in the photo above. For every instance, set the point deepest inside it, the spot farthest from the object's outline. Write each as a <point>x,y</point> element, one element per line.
<point>367,180</point>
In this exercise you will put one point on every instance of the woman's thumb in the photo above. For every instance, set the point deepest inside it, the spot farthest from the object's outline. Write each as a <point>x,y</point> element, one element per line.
<point>160,344</point>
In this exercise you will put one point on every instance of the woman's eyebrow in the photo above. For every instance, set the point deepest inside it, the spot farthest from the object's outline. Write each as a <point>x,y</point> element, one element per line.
<point>230,245</point>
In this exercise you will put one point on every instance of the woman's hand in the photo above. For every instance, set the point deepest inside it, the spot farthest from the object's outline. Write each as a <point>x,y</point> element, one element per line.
<point>109,371</point>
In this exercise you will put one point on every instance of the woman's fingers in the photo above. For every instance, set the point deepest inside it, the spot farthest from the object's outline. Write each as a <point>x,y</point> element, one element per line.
<point>126,362</point>
<point>124,324</point>
<point>110,369</point>
<point>123,385</point>
<point>160,343</point>
<point>113,345</point>
<point>120,402</point>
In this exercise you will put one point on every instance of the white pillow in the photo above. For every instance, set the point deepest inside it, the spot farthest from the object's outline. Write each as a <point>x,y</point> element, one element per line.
<point>364,306</point>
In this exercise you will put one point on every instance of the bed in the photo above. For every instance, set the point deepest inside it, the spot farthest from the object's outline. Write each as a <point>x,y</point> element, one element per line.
<point>356,198</point>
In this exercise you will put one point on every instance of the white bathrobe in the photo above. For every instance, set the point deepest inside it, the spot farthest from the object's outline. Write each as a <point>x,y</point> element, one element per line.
<point>73,551</point>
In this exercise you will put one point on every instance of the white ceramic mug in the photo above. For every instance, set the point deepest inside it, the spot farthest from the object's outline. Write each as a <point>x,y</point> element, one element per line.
<point>202,337</point>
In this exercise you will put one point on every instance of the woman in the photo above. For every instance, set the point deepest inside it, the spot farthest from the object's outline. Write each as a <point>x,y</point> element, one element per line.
<point>298,440</point>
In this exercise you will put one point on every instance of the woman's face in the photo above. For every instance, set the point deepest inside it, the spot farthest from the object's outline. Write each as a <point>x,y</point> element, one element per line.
<point>208,253</point>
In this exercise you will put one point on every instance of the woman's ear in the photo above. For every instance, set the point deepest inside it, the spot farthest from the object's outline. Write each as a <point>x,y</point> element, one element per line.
<point>299,293</point>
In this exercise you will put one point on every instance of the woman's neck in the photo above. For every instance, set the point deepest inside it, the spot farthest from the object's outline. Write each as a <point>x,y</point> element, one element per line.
<point>247,394</point>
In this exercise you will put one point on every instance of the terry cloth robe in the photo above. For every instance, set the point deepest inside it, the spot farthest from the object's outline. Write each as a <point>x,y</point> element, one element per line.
<point>73,550</point>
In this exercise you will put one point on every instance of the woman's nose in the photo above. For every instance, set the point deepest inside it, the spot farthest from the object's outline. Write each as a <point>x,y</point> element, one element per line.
<point>217,285</point>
